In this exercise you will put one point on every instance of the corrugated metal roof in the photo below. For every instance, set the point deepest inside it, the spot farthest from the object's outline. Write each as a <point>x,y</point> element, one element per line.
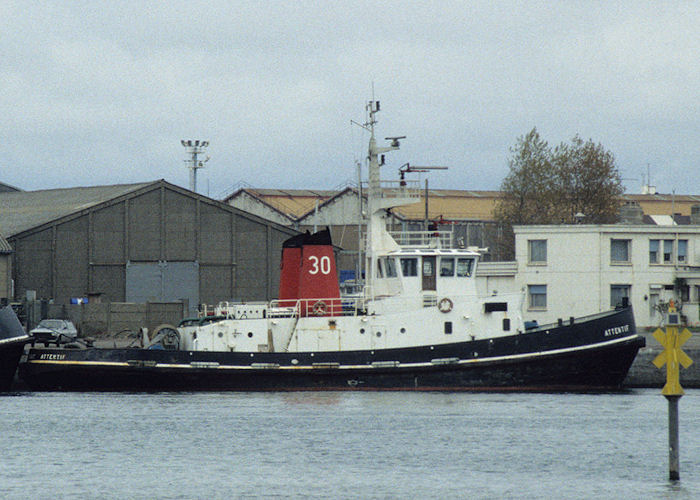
<point>4,246</point>
<point>6,188</point>
<point>452,204</point>
<point>24,210</point>
<point>293,202</point>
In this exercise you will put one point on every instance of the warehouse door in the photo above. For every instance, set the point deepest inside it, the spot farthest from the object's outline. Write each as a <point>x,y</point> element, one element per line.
<point>163,282</point>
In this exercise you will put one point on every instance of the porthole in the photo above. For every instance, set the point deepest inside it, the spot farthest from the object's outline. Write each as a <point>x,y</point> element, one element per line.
<point>362,330</point>
<point>403,330</point>
<point>379,334</point>
<point>295,361</point>
<point>250,335</point>
<point>221,334</point>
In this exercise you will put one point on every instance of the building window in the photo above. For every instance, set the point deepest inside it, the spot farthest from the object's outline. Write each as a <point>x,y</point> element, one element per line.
<point>668,251</point>
<point>537,296</point>
<point>667,256</point>
<point>619,295</point>
<point>682,251</point>
<point>653,251</point>
<point>620,251</point>
<point>409,267</point>
<point>537,251</point>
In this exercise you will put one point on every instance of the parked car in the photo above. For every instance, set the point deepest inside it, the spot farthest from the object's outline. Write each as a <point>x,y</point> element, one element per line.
<point>54,331</point>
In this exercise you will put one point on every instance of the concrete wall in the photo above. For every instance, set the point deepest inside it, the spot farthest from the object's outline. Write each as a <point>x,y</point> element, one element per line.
<point>105,320</point>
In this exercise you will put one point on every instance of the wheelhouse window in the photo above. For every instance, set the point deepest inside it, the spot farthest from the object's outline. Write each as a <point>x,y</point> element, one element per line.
<point>537,251</point>
<point>409,267</point>
<point>428,266</point>
<point>620,251</point>
<point>619,295</point>
<point>389,267</point>
<point>464,267</point>
<point>447,266</point>
<point>537,296</point>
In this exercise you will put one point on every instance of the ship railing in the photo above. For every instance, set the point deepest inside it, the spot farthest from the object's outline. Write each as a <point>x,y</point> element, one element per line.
<point>423,239</point>
<point>330,306</point>
<point>397,189</point>
<point>419,239</point>
<point>236,310</point>
<point>400,189</point>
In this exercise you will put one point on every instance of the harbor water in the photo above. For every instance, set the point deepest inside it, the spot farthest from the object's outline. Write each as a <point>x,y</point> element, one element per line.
<point>345,445</point>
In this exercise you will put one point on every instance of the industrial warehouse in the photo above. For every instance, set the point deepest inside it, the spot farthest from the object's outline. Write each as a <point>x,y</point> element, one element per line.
<point>135,243</point>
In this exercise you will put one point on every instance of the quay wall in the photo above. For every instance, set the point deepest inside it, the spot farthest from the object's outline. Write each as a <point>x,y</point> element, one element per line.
<point>644,373</point>
<point>108,319</point>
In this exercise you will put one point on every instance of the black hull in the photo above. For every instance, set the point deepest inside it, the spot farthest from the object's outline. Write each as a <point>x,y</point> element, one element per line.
<point>12,341</point>
<point>9,359</point>
<point>588,355</point>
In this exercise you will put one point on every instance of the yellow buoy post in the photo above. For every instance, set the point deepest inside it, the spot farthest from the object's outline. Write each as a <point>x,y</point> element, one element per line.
<point>672,356</point>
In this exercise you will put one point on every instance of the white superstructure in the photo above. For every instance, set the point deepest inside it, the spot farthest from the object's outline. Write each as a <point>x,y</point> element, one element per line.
<point>415,294</point>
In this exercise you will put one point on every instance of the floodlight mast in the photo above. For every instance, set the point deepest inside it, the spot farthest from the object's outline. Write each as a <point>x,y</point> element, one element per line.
<point>194,149</point>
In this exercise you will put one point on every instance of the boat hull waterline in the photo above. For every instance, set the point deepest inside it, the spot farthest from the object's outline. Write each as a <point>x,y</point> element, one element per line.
<point>584,356</point>
<point>12,341</point>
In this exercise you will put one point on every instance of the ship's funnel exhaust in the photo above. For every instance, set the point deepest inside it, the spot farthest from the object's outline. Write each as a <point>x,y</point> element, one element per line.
<point>309,275</point>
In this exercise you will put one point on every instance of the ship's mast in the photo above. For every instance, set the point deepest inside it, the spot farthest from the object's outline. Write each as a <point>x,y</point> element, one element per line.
<point>377,237</point>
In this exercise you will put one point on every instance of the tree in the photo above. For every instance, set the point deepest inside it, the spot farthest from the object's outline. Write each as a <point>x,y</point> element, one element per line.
<point>573,183</point>
<point>528,188</point>
<point>589,182</point>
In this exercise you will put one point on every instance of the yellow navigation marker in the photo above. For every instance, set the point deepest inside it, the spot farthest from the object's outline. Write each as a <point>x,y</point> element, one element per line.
<point>672,354</point>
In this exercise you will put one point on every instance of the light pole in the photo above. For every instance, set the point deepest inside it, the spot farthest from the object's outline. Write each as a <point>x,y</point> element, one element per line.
<point>194,149</point>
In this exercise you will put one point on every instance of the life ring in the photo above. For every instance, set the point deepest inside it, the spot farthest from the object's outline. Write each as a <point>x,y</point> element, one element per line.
<point>445,305</point>
<point>319,308</point>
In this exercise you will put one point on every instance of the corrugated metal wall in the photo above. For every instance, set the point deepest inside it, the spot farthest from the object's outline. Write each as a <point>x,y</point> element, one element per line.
<point>163,282</point>
<point>210,252</point>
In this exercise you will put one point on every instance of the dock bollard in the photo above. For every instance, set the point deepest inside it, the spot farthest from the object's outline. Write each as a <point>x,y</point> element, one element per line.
<point>672,356</point>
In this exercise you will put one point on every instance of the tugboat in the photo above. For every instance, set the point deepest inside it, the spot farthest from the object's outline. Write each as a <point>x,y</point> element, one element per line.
<point>419,324</point>
<point>12,340</point>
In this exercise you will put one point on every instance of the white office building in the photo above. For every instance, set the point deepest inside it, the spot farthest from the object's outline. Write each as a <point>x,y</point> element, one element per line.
<point>575,270</point>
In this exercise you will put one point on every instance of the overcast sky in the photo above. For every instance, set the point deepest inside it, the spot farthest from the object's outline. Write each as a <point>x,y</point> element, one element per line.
<point>102,92</point>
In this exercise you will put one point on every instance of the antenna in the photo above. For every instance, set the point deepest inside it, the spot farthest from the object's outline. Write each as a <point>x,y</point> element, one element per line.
<point>194,149</point>
<point>406,168</point>
<point>648,188</point>
<point>394,140</point>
